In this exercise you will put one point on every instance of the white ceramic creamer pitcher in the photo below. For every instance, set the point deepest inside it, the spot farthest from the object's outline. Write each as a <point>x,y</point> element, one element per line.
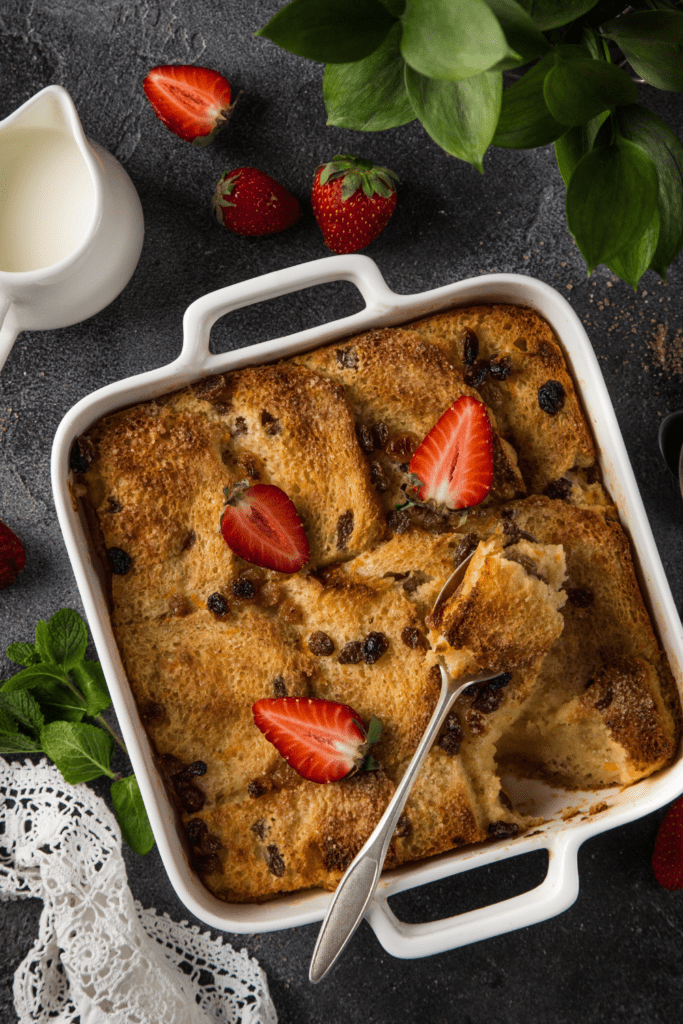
<point>71,224</point>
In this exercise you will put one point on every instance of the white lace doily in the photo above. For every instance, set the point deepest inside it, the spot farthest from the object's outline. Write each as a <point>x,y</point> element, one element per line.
<point>99,956</point>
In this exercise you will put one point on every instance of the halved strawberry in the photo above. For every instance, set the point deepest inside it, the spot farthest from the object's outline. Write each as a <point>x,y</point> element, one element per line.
<point>193,102</point>
<point>454,463</point>
<point>323,741</point>
<point>261,525</point>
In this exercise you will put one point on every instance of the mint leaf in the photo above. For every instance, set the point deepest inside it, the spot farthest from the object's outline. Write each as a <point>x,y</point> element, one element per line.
<point>17,743</point>
<point>460,116</point>
<point>652,42</point>
<point>553,13</point>
<point>24,708</point>
<point>131,814</point>
<point>90,679</point>
<point>611,199</point>
<point>63,639</point>
<point>631,264</point>
<point>23,654</point>
<point>58,701</point>
<point>575,143</point>
<point>576,91</point>
<point>330,31</point>
<point>81,752</point>
<point>522,35</point>
<point>369,95</point>
<point>443,39</point>
<point>525,121</point>
<point>647,130</point>
<point>34,676</point>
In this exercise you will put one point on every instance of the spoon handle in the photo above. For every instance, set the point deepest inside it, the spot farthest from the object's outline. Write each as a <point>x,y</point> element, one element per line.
<point>355,890</point>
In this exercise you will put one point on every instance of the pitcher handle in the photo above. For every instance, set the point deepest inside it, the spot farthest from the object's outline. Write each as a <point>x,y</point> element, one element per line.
<point>8,333</point>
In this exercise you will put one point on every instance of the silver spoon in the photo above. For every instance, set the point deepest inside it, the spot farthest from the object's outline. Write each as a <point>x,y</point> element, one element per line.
<point>355,890</point>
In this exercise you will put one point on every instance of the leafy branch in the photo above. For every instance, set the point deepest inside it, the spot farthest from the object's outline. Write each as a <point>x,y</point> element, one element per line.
<point>442,62</point>
<point>42,709</point>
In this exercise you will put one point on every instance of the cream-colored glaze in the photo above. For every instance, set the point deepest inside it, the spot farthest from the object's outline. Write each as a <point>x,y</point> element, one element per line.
<point>47,198</point>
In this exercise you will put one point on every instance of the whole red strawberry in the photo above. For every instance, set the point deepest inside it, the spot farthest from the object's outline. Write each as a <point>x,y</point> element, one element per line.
<point>667,859</point>
<point>249,202</point>
<point>352,202</point>
<point>193,102</point>
<point>12,556</point>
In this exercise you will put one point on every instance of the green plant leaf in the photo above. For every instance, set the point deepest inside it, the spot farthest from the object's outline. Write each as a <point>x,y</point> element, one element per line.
<point>91,682</point>
<point>57,702</point>
<point>131,814</point>
<point>23,708</point>
<point>17,743</point>
<point>446,40</point>
<point>522,34</point>
<point>395,7</point>
<point>34,676</point>
<point>81,752</point>
<point>369,95</point>
<point>631,264</point>
<point>63,639</point>
<point>575,143</point>
<point>525,122</point>
<point>652,42</point>
<point>647,130</point>
<point>575,91</point>
<point>7,721</point>
<point>460,116</point>
<point>553,13</point>
<point>330,31</point>
<point>23,654</point>
<point>611,199</point>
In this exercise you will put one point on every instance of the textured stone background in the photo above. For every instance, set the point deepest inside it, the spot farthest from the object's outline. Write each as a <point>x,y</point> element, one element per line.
<point>617,954</point>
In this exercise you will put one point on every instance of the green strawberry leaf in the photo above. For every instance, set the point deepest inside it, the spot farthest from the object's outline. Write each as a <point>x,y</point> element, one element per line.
<point>23,654</point>
<point>631,264</point>
<point>460,116</point>
<point>525,121</point>
<point>131,814</point>
<point>330,31</point>
<point>553,13</point>
<point>452,41</point>
<point>374,730</point>
<point>35,676</point>
<point>81,752</point>
<point>611,199</point>
<point>369,95</point>
<point>90,679</point>
<point>576,91</point>
<point>652,42</point>
<point>575,143</point>
<point>647,130</point>
<point>522,35</point>
<point>63,639</point>
<point>17,743</point>
<point>23,708</point>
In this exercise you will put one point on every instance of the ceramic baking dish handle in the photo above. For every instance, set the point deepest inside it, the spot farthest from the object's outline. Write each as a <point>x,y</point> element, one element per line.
<point>203,314</point>
<point>555,894</point>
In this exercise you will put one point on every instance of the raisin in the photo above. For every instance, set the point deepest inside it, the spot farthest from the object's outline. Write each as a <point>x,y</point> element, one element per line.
<point>488,700</point>
<point>196,768</point>
<point>243,588</point>
<point>320,644</point>
<point>178,606</point>
<point>402,447</point>
<point>580,597</point>
<point>170,765</point>
<point>260,828</point>
<point>558,490</point>
<point>398,576</point>
<point>412,637</point>
<point>551,396</point>
<point>530,567</point>
<point>240,426</point>
<point>470,347</point>
<point>276,865</point>
<point>196,829</point>
<point>364,438</point>
<point>279,686</point>
<point>415,581</point>
<point>210,843</point>
<point>380,435</point>
<point>604,702</point>
<point>378,477</point>
<point>404,827</point>
<point>373,647</point>
<point>398,521</point>
<point>120,561</point>
<point>498,682</point>
<point>476,374</point>
<point>82,455</point>
<point>435,522</point>
<point>466,546</point>
<point>217,604</point>
<point>344,529</point>
<point>351,653</point>
<point>256,788</point>
<point>114,506</point>
<point>500,367</point>
<point>503,829</point>
<point>452,737</point>
<point>206,863</point>
<point>511,532</point>
<point>153,714</point>
<point>271,425</point>
<point>192,798</point>
<point>347,358</point>
<point>190,540</point>
<point>209,388</point>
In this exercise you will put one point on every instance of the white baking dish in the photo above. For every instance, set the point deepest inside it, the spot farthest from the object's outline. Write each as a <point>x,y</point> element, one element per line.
<point>561,838</point>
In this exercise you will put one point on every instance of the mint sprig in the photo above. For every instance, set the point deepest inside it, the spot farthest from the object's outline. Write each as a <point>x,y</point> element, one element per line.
<point>42,709</point>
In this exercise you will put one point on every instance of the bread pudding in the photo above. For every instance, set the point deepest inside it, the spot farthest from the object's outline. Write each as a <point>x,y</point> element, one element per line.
<point>584,697</point>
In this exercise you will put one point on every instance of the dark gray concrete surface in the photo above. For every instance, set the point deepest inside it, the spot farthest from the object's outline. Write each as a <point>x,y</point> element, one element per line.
<point>616,955</point>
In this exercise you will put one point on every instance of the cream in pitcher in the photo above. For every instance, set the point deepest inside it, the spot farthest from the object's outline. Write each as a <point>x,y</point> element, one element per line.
<point>71,225</point>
